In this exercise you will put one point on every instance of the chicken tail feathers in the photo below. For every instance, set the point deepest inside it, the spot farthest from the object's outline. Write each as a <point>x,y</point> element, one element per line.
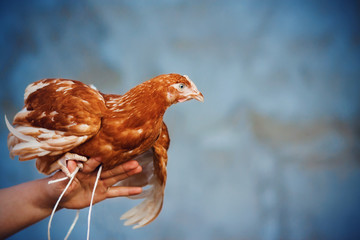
<point>20,144</point>
<point>153,194</point>
<point>17,133</point>
<point>30,142</point>
<point>148,209</point>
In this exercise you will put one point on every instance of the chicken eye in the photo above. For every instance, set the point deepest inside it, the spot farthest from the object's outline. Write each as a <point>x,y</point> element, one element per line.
<point>181,86</point>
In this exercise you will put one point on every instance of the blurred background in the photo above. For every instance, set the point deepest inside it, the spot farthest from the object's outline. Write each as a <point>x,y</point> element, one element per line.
<point>272,153</point>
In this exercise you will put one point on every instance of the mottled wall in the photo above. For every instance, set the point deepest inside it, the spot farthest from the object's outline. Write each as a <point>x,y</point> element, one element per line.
<point>274,151</point>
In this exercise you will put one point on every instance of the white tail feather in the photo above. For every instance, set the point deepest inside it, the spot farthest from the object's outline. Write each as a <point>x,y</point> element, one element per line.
<point>17,133</point>
<point>32,142</point>
<point>148,209</point>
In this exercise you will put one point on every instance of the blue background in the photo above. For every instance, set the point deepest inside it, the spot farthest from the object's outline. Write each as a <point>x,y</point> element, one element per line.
<point>274,151</point>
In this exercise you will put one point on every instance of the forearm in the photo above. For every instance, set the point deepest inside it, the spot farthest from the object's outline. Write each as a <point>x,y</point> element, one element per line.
<point>27,203</point>
<point>23,205</point>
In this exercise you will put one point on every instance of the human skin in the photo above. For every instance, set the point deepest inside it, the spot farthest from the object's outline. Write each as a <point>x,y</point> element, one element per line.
<point>27,203</point>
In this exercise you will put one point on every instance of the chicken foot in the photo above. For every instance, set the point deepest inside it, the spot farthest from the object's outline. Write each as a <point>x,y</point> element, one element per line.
<point>62,162</point>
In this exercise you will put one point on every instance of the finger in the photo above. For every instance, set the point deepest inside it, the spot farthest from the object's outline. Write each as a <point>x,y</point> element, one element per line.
<point>91,164</point>
<point>112,180</point>
<point>120,169</point>
<point>122,191</point>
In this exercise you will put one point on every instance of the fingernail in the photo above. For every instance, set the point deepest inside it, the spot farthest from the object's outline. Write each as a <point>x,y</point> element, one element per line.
<point>132,164</point>
<point>135,190</point>
<point>138,169</point>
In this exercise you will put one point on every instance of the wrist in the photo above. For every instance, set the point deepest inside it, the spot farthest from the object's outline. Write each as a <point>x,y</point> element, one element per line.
<point>47,195</point>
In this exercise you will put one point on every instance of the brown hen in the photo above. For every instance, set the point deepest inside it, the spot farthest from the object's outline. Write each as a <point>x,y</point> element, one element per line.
<point>66,119</point>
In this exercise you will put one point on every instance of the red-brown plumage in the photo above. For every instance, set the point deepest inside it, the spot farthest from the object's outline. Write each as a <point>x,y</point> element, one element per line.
<point>63,116</point>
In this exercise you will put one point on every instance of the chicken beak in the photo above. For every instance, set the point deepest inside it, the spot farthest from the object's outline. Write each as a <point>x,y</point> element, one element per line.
<point>198,96</point>
<point>194,94</point>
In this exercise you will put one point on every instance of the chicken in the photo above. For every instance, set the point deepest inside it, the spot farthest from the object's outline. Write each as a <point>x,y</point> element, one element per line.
<point>66,119</point>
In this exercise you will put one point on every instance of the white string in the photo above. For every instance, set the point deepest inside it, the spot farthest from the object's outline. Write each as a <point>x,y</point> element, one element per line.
<point>57,180</point>
<point>59,199</point>
<point>91,201</point>
<point>72,225</point>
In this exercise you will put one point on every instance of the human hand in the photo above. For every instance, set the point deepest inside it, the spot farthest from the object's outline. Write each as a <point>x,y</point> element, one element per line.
<point>79,193</point>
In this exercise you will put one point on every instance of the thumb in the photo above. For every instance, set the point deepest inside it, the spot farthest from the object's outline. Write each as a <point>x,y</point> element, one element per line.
<point>71,165</point>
